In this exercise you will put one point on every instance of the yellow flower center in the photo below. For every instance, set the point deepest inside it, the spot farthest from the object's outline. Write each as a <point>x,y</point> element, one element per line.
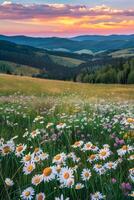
<point>130,120</point>
<point>37,180</point>
<point>37,158</point>
<point>86,174</point>
<point>88,145</point>
<point>47,171</point>
<point>98,166</point>
<point>78,187</point>
<point>92,157</point>
<point>103,153</point>
<point>40,197</point>
<point>66,175</point>
<point>6,149</point>
<point>27,157</point>
<point>19,148</point>
<point>125,147</point>
<point>30,168</point>
<point>57,157</point>
<point>27,193</point>
<point>77,143</point>
<point>36,150</point>
<point>110,165</point>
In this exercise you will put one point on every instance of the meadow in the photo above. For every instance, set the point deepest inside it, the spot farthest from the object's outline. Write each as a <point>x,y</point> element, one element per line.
<point>65,141</point>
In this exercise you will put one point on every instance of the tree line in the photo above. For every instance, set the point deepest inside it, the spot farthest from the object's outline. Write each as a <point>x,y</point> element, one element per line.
<point>122,73</point>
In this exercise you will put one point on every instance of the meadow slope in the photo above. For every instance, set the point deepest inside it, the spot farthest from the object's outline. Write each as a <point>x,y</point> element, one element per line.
<point>65,141</point>
<point>10,84</point>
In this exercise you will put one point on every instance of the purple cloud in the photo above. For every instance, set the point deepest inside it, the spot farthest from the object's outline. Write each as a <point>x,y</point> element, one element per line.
<point>13,11</point>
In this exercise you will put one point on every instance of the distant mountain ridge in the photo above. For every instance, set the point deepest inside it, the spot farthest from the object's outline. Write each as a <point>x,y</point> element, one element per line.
<point>110,66</point>
<point>93,43</point>
<point>102,37</point>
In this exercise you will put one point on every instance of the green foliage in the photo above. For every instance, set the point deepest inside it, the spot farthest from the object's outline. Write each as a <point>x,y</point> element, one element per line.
<point>131,77</point>
<point>6,68</point>
<point>122,73</point>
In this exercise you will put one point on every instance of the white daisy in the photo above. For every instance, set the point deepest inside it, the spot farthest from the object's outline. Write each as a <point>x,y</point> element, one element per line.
<point>99,169</point>
<point>92,157</point>
<point>125,149</point>
<point>27,158</point>
<point>97,196</point>
<point>20,150</point>
<point>59,158</point>
<point>110,165</point>
<point>86,174</point>
<point>35,133</point>
<point>104,153</point>
<point>9,182</point>
<point>65,175</point>
<point>37,179</point>
<point>28,193</point>
<point>48,174</point>
<point>43,156</point>
<point>61,126</point>
<point>7,148</point>
<point>79,186</point>
<point>77,144</point>
<point>40,196</point>
<point>87,146</point>
<point>28,168</point>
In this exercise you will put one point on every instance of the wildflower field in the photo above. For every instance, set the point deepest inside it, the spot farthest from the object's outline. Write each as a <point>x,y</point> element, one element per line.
<point>65,141</point>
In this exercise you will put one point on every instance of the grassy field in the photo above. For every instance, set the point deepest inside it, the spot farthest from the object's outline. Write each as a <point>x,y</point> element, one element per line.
<point>71,62</point>
<point>63,140</point>
<point>32,86</point>
<point>20,69</point>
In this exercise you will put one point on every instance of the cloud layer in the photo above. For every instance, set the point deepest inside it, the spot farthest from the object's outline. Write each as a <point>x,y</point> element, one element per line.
<point>61,19</point>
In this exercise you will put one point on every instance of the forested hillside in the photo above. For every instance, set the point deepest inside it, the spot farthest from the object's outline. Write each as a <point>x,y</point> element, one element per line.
<point>103,67</point>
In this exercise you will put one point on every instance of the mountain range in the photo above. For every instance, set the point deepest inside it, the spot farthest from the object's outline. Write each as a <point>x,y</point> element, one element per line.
<point>81,58</point>
<point>86,43</point>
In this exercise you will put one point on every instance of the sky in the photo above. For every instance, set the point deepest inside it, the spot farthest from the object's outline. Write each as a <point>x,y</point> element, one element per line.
<point>66,18</point>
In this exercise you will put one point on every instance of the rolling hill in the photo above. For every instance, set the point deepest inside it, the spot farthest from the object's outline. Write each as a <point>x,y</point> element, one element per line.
<point>50,64</point>
<point>83,67</point>
<point>92,43</point>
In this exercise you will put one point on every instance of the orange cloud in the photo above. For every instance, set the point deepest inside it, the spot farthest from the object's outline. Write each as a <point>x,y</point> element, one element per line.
<point>61,19</point>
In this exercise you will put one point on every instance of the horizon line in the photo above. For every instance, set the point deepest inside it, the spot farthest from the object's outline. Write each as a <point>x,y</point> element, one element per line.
<point>54,36</point>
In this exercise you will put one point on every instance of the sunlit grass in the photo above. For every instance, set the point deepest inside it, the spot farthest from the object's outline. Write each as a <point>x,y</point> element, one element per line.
<point>31,86</point>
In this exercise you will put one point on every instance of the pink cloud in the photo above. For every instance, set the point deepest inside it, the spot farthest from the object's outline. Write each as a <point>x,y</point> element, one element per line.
<point>19,11</point>
<point>61,19</point>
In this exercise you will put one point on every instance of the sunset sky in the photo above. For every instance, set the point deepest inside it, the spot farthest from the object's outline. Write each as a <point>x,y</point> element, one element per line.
<point>66,18</point>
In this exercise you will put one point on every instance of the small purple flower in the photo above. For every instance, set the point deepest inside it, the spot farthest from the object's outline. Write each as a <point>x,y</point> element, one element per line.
<point>123,186</point>
<point>114,180</point>
<point>128,186</point>
<point>115,144</point>
<point>121,142</point>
